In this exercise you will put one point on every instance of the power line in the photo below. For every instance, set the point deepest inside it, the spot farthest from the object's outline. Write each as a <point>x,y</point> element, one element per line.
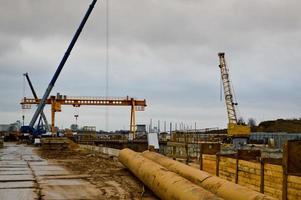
<point>107,64</point>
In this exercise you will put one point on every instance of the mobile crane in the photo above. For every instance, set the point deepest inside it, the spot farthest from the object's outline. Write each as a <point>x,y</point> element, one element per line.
<point>36,98</point>
<point>235,130</point>
<point>30,128</point>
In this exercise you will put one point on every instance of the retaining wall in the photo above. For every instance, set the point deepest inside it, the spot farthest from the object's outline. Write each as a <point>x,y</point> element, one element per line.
<point>250,175</point>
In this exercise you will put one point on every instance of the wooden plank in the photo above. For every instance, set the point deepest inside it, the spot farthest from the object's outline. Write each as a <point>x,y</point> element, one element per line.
<point>273,161</point>
<point>293,157</point>
<point>261,176</point>
<point>236,169</point>
<point>249,154</point>
<point>285,170</point>
<point>217,164</point>
<point>211,148</point>
<point>201,158</point>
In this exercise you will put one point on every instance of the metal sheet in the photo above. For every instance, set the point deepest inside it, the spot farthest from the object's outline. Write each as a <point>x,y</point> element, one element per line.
<point>152,139</point>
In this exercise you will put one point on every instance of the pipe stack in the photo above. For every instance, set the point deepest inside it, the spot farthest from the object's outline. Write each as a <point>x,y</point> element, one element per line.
<point>164,183</point>
<point>170,179</point>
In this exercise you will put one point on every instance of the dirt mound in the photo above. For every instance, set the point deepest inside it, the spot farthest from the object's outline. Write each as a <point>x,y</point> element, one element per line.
<point>279,125</point>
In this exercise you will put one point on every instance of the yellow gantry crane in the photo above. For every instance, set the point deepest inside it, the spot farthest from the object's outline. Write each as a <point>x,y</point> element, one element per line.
<point>234,129</point>
<point>57,101</point>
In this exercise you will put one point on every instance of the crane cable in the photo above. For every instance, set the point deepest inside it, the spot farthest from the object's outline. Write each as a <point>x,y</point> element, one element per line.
<point>107,65</point>
<point>221,89</point>
<point>23,93</point>
<point>238,113</point>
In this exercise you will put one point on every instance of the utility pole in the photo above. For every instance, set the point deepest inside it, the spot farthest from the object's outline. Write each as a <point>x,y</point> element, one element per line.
<point>150,125</point>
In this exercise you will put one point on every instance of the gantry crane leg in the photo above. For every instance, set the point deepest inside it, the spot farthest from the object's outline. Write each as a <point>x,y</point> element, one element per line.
<point>52,119</point>
<point>133,120</point>
<point>55,107</point>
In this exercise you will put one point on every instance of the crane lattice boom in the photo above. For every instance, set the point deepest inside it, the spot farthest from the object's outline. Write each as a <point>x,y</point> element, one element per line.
<point>230,104</point>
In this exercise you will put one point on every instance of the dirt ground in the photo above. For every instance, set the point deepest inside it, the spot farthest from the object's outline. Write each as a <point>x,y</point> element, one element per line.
<point>109,175</point>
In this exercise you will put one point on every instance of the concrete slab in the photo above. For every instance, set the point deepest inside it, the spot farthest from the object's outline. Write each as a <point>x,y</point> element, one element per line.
<point>24,194</point>
<point>74,192</point>
<point>63,182</point>
<point>6,158</point>
<point>5,178</point>
<point>19,184</point>
<point>41,163</point>
<point>15,169</point>
<point>71,176</point>
<point>17,180</point>
<point>32,158</point>
<point>15,172</point>
<point>13,166</point>
<point>47,168</point>
<point>21,162</point>
<point>51,172</point>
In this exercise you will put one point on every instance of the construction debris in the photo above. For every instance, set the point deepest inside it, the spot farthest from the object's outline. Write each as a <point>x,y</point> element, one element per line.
<point>55,143</point>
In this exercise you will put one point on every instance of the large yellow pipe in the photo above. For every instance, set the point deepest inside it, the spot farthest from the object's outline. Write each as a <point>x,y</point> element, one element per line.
<point>165,184</point>
<point>222,188</point>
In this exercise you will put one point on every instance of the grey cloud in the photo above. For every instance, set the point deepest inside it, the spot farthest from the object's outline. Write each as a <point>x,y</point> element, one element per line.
<point>164,51</point>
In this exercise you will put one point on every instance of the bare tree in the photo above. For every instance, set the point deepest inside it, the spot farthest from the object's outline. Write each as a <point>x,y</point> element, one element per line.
<point>251,122</point>
<point>241,121</point>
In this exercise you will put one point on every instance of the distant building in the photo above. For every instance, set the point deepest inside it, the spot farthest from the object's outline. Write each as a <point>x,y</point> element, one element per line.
<point>14,127</point>
<point>89,128</point>
<point>9,129</point>
<point>4,127</point>
<point>74,127</point>
<point>164,136</point>
<point>141,128</point>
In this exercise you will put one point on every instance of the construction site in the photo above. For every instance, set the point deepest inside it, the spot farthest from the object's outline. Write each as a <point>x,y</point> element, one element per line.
<point>170,160</point>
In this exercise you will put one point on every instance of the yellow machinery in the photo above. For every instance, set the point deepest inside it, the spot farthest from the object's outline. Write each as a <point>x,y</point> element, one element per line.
<point>57,101</point>
<point>234,129</point>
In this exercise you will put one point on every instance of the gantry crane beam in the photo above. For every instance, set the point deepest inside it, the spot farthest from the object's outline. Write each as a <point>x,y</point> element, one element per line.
<point>57,101</point>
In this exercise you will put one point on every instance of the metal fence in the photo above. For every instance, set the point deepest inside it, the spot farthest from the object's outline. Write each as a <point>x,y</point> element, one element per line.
<point>278,138</point>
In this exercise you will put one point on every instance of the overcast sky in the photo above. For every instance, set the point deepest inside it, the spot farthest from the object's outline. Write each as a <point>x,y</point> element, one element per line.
<point>163,51</point>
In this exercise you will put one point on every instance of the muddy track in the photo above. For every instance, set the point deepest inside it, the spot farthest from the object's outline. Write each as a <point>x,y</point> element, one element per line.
<point>105,172</point>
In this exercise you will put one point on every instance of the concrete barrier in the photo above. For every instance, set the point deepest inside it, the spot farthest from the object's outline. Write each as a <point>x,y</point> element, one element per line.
<point>104,150</point>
